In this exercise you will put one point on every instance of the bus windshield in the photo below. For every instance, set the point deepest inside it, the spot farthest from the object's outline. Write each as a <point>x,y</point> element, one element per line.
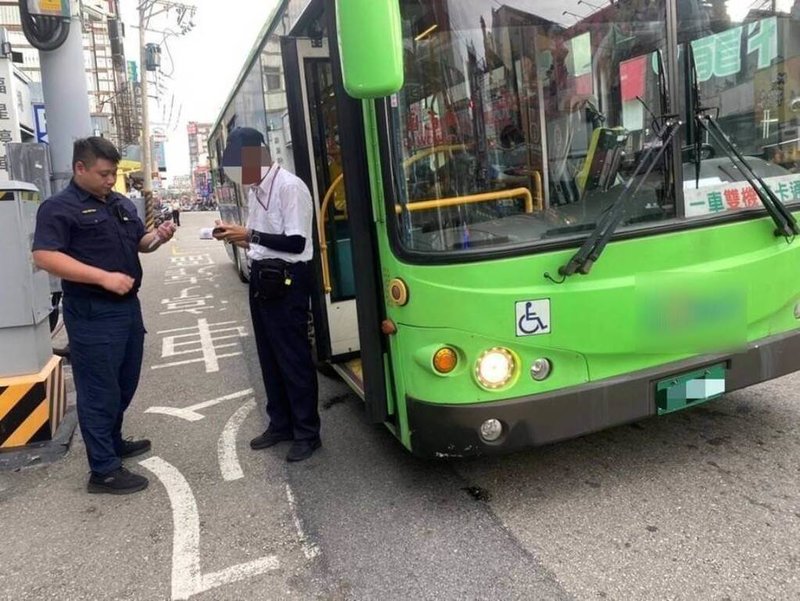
<point>522,121</point>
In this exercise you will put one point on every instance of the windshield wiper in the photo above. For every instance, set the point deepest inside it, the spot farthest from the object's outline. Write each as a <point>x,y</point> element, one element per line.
<point>668,189</point>
<point>583,260</point>
<point>785,224</point>
<point>666,109</point>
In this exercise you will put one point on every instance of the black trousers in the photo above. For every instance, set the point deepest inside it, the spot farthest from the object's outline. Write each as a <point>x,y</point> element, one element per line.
<point>284,352</point>
<point>106,339</point>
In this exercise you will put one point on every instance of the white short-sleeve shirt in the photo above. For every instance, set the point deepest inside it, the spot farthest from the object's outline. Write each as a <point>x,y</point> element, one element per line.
<point>280,204</point>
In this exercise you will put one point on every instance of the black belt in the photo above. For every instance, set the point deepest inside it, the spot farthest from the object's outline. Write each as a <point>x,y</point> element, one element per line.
<point>275,262</point>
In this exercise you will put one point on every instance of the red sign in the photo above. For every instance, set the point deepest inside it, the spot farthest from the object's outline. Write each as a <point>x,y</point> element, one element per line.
<point>631,75</point>
<point>584,85</point>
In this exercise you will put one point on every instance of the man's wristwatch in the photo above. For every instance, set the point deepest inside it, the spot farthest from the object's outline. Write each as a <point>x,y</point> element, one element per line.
<point>254,237</point>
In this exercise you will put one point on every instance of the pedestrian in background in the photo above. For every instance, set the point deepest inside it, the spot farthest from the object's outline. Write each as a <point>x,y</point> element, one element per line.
<point>91,237</point>
<point>280,246</point>
<point>176,212</point>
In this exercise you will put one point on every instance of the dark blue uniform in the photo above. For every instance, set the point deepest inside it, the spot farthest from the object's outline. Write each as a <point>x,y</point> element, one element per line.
<point>106,331</point>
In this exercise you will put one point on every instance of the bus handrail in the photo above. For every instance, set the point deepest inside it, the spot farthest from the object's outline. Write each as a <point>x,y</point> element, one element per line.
<point>531,203</point>
<point>437,203</point>
<point>323,242</point>
<point>539,197</point>
<point>433,150</point>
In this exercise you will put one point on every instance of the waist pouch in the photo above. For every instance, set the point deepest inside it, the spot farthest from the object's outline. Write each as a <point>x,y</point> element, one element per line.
<point>271,279</point>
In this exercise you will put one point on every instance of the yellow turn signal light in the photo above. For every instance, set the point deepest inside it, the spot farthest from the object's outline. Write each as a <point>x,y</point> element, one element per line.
<point>445,360</point>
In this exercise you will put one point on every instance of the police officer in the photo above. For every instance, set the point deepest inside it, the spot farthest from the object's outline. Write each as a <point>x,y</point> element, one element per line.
<point>280,246</point>
<point>91,237</point>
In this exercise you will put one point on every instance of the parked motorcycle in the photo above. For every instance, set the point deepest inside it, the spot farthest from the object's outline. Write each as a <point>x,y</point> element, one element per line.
<point>162,214</point>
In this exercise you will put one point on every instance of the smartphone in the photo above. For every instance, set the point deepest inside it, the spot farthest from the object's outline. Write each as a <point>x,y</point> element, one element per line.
<point>218,230</point>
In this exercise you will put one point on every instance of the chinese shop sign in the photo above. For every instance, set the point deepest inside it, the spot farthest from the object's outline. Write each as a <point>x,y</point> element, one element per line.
<point>720,55</point>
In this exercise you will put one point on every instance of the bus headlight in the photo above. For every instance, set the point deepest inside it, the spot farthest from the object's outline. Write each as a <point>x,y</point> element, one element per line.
<point>495,368</point>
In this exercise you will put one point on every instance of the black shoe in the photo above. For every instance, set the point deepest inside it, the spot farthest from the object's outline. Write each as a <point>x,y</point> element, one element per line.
<point>118,482</point>
<point>132,448</point>
<point>303,449</point>
<point>269,439</point>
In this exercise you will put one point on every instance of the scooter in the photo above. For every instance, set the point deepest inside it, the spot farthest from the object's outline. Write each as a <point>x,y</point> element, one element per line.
<point>161,215</point>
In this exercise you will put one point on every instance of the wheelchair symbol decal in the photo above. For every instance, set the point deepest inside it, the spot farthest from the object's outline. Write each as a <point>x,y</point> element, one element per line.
<point>533,317</point>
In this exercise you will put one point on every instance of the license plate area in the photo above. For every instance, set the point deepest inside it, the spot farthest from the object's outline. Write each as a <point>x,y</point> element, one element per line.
<point>689,389</point>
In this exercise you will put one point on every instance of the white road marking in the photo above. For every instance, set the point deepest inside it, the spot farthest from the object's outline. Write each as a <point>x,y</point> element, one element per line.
<point>193,304</point>
<point>310,548</point>
<point>207,344</point>
<point>204,339</point>
<point>187,578</point>
<point>190,413</point>
<point>192,260</point>
<point>226,446</point>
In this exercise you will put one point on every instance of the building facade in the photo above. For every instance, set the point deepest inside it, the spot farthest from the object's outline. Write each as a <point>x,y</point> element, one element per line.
<point>198,157</point>
<point>111,95</point>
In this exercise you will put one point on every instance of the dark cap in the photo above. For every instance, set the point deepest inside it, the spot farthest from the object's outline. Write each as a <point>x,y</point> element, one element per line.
<point>241,137</point>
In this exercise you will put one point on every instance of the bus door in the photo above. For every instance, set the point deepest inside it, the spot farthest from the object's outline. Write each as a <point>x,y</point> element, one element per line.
<point>319,133</point>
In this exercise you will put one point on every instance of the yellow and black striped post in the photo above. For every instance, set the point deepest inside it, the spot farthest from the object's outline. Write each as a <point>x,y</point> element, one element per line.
<point>149,211</point>
<point>32,406</point>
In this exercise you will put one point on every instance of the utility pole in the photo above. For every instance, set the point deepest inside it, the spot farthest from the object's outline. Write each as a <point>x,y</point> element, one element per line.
<point>146,12</point>
<point>147,162</point>
<point>60,43</point>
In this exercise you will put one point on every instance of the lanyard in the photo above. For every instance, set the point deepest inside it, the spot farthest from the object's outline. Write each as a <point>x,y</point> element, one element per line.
<point>269,192</point>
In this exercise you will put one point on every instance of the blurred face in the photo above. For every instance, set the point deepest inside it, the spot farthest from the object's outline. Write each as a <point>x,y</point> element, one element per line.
<point>98,179</point>
<point>255,164</point>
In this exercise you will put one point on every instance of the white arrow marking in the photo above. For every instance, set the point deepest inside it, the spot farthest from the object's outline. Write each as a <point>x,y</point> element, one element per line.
<point>226,446</point>
<point>187,579</point>
<point>190,413</point>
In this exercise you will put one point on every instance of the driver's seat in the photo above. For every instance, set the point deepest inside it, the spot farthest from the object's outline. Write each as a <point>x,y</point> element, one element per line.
<point>603,158</point>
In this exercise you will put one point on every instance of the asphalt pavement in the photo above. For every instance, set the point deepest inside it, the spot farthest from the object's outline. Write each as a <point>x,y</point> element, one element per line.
<point>700,504</point>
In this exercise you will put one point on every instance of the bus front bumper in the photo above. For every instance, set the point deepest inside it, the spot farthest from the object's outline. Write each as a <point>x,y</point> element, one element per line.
<point>441,430</point>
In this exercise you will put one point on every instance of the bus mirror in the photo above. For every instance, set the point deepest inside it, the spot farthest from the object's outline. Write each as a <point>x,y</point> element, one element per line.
<point>370,47</point>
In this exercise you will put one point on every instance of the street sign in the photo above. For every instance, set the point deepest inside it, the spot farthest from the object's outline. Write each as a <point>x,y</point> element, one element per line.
<point>49,8</point>
<point>40,121</point>
<point>159,153</point>
<point>9,117</point>
<point>133,72</point>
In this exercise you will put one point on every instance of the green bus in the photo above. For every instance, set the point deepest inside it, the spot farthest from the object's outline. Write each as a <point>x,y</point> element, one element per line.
<point>536,219</point>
